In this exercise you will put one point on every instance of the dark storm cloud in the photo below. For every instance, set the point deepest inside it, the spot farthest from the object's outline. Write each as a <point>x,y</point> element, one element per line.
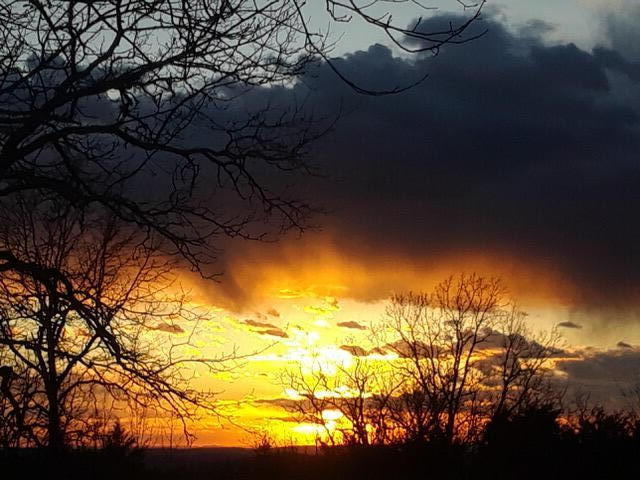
<point>511,146</point>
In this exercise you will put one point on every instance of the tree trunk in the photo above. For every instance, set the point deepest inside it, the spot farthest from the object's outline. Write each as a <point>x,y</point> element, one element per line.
<point>54,428</point>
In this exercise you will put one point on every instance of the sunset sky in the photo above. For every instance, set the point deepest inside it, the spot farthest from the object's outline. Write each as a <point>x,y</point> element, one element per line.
<point>517,157</point>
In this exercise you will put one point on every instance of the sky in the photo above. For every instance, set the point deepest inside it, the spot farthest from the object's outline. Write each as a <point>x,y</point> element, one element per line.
<point>516,158</point>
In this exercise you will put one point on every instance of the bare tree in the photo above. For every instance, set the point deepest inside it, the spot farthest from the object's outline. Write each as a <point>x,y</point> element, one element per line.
<point>522,364</point>
<point>18,388</point>
<point>99,98</point>
<point>82,298</point>
<point>438,338</point>
<point>354,390</point>
<point>312,397</point>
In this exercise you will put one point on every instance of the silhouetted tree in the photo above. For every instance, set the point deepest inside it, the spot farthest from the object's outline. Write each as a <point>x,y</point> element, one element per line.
<point>118,441</point>
<point>437,338</point>
<point>521,367</point>
<point>356,390</point>
<point>524,443</point>
<point>313,391</point>
<point>82,298</point>
<point>97,99</point>
<point>597,427</point>
<point>17,391</point>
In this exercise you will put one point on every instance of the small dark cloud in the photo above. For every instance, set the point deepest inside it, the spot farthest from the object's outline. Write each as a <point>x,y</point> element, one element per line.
<point>285,403</point>
<point>273,332</point>
<point>529,348</point>
<point>169,328</point>
<point>377,351</point>
<point>358,351</point>
<point>622,344</point>
<point>262,328</point>
<point>405,349</point>
<point>287,419</point>
<point>355,350</point>
<point>273,312</point>
<point>351,324</point>
<point>569,324</point>
<point>258,324</point>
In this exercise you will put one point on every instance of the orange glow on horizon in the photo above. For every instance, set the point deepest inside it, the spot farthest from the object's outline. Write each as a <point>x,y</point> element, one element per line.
<point>316,267</point>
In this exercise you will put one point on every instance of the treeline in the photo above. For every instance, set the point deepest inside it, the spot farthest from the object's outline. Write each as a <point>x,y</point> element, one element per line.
<point>533,444</point>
